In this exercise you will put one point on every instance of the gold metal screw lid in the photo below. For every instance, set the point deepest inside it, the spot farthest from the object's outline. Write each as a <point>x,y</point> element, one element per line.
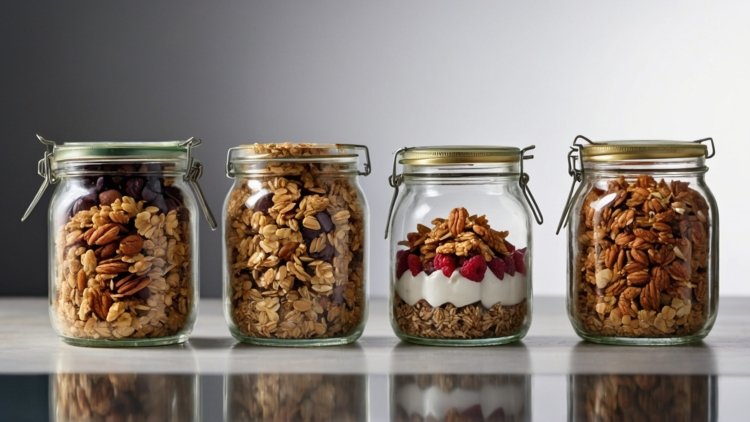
<point>437,155</point>
<point>611,151</point>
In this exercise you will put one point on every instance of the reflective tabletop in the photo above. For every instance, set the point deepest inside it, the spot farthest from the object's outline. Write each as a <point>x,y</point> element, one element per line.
<point>550,375</point>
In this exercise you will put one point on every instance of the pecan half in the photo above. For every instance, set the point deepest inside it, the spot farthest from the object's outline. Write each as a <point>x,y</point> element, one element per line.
<point>131,245</point>
<point>457,220</point>
<point>100,303</point>
<point>104,234</point>
<point>112,266</point>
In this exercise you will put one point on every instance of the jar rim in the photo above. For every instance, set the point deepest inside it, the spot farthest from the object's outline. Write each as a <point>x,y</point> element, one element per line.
<point>290,151</point>
<point>615,151</point>
<point>459,154</point>
<point>120,150</point>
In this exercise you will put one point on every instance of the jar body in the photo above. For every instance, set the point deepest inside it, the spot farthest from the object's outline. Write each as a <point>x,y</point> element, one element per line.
<point>643,256</point>
<point>295,258</point>
<point>461,261</point>
<point>123,255</point>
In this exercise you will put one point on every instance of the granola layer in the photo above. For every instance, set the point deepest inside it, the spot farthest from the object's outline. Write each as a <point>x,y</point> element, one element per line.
<point>466,322</point>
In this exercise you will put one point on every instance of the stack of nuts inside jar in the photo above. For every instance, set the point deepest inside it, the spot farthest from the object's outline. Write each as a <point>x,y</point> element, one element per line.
<point>295,248</point>
<point>122,266</point>
<point>460,279</point>
<point>642,259</point>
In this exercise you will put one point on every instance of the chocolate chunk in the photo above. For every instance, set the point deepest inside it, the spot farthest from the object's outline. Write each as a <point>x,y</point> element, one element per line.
<point>83,204</point>
<point>264,203</point>
<point>309,234</point>
<point>133,187</point>
<point>326,254</point>
<point>325,221</point>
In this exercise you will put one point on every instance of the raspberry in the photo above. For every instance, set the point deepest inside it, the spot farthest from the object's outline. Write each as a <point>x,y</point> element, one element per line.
<point>497,266</point>
<point>415,264</point>
<point>401,262</point>
<point>444,262</point>
<point>474,268</point>
<point>518,260</point>
<point>510,265</point>
<point>509,246</point>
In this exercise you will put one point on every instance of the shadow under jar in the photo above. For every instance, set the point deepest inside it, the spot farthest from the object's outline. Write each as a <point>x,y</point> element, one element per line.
<point>461,245</point>
<point>295,232</point>
<point>642,242</point>
<point>123,250</point>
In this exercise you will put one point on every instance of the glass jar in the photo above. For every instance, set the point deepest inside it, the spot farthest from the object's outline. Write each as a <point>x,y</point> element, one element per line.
<point>123,249</point>
<point>461,245</point>
<point>295,232</point>
<point>643,244</point>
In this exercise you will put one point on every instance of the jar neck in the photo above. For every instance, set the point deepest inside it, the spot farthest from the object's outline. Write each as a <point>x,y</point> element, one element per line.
<point>689,166</point>
<point>462,173</point>
<point>292,167</point>
<point>124,168</point>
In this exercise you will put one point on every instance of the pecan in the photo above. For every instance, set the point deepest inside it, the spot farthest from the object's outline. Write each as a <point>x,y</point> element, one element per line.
<point>131,245</point>
<point>112,267</point>
<point>131,286</point>
<point>100,303</point>
<point>81,280</point>
<point>103,234</point>
<point>650,297</point>
<point>638,278</point>
<point>107,251</point>
<point>457,220</point>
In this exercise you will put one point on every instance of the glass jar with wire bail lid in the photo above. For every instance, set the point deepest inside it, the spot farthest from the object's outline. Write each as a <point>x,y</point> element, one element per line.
<point>643,242</point>
<point>460,228</point>
<point>123,240</point>
<point>295,244</point>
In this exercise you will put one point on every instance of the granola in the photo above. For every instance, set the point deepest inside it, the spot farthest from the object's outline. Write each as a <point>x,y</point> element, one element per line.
<point>295,241</point>
<point>641,397</point>
<point>642,257</point>
<point>122,267</point>
<point>143,397</point>
<point>460,279</point>
<point>297,397</point>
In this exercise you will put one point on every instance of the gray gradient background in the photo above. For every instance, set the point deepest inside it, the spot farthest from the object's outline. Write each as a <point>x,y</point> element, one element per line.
<point>385,74</point>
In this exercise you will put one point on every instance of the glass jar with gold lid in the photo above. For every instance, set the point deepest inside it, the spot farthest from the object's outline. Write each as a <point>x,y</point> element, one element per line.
<point>460,229</point>
<point>642,241</point>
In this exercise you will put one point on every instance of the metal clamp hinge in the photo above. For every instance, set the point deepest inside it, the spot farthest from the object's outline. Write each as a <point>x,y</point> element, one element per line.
<point>574,171</point>
<point>395,181</point>
<point>523,182</point>
<point>194,172</point>
<point>44,169</point>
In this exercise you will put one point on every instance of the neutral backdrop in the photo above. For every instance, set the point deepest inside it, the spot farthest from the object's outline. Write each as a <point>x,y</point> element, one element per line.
<point>382,73</point>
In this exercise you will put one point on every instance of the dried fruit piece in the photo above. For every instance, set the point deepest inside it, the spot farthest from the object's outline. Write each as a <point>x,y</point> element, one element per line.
<point>497,266</point>
<point>415,264</point>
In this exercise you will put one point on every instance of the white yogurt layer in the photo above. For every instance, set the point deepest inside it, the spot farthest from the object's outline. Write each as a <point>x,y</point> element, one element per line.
<point>433,402</point>
<point>437,289</point>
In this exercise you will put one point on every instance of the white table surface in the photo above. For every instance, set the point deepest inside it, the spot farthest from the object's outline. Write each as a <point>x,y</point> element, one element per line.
<point>551,356</point>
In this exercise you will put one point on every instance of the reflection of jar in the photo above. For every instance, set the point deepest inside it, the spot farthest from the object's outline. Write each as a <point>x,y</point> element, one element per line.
<point>123,241</point>
<point>291,397</point>
<point>295,225</point>
<point>461,245</point>
<point>643,242</point>
<point>642,397</point>
<point>449,397</point>
<point>141,397</point>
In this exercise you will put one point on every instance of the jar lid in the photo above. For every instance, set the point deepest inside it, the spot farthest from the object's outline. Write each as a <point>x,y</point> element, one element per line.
<point>641,150</point>
<point>455,154</point>
<point>296,153</point>
<point>131,151</point>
